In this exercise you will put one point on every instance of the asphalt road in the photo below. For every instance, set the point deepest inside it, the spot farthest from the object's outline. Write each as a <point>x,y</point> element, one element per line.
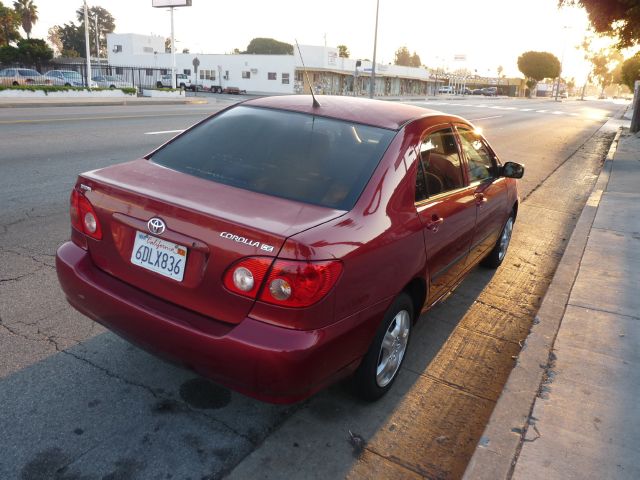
<point>78,402</point>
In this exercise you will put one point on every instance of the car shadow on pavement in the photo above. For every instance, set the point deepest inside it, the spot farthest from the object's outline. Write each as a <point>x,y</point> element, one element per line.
<point>105,407</point>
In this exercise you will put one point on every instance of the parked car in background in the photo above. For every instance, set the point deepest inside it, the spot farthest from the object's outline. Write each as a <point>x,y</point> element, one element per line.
<point>490,91</point>
<point>22,76</point>
<point>109,81</point>
<point>233,90</point>
<point>476,91</point>
<point>448,89</point>
<point>67,78</point>
<point>277,246</point>
<point>182,81</point>
<point>465,91</point>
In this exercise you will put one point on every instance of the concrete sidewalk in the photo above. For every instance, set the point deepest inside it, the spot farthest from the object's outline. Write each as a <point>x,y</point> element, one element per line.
<point>14,102</point>
<point>582,420</point>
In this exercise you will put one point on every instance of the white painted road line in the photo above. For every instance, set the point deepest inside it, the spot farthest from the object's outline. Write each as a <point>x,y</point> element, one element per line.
<point>485,118</point>
<point>163,132</point>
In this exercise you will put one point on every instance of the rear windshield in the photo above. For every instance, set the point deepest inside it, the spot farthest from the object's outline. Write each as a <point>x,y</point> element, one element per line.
<point>297,156</point>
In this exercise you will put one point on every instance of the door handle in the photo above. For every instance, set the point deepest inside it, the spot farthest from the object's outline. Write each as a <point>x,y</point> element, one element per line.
<point>480,199</point>
<point>435,223</point>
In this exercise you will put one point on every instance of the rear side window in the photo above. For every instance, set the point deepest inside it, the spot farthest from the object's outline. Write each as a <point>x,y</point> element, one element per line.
<point>301,157</point>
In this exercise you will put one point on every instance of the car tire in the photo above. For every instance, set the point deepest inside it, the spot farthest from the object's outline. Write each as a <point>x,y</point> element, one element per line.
<point>380,365</point>
<point>499,251</point>
<point>15,84</point>
<point>158,84</point>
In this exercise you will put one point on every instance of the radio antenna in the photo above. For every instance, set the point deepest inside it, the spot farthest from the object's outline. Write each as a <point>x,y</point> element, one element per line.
<point>306,75</point>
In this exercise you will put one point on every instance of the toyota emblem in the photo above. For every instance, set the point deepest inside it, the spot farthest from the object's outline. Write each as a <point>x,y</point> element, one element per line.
<point>156,226</point>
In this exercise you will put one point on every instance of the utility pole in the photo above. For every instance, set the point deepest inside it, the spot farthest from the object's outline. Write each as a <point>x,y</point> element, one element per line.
<point>372,84</point>
<point>173,54</point>
<point>95,17</point>
<point>635,117</point>
<point>86,42</point>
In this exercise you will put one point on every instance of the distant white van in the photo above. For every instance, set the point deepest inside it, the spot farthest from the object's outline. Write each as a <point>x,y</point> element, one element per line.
<point>447,90</point>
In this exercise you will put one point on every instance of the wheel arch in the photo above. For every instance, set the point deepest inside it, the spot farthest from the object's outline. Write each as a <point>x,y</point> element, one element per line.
<point>417,291</point>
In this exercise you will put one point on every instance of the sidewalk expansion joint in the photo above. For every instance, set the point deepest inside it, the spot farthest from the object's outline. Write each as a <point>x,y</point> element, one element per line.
<point>632,317</point>
<point>450,385</point>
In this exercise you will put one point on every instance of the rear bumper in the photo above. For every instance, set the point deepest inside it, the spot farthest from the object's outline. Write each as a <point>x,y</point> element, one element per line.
<point>264,361</point>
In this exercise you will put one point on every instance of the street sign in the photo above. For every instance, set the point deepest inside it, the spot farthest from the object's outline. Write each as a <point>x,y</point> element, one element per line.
<point>195,63</point>
<point>170,3</point>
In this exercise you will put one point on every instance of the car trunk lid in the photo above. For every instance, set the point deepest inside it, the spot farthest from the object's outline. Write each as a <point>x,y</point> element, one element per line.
<point>216,224</point>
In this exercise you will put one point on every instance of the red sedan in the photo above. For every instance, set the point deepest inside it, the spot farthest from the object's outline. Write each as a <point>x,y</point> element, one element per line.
<point>277,247</point>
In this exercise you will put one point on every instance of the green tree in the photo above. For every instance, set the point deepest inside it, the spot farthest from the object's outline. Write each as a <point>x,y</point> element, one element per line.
<point>403,57</point>
<point>406,59</point>
<point>53,35</point>
<point>631,71</point>
<point>34,51</point>
<point>604,64</point>
<point>9,24</point>
<point>343,51</point>
<point>537,66</point>
<point>106,24</point>
<point>8,54</point>
<point>28,14</point>
<point>619,18</point>
<point>268,46</point>
<point>72,38</point>
<point>415,60</point>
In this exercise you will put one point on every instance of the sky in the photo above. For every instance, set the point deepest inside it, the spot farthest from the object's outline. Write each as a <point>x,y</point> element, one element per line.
<point>488,34</point>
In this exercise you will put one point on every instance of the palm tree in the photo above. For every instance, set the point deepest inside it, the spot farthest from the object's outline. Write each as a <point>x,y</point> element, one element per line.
<point>28,13</point>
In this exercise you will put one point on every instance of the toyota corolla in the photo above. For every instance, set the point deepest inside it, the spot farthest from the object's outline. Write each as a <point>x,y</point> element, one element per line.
<point>279,245</point>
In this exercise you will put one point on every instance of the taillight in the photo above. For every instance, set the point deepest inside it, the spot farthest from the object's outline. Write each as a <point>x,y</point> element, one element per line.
<point>290,283</point>
<point>83,216</point>
<point>246,276</point>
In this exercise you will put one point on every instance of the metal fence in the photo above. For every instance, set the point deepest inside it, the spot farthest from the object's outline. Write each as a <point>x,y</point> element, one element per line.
<point>120,76</point>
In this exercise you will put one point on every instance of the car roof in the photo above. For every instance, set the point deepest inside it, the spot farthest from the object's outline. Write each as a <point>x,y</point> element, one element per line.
<point>378,113</point>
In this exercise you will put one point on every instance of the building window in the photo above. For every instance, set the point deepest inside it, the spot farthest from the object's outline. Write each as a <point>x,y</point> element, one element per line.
<point>117,48</point>
<point>119,70</point>
<point>299,76</point>
<point>226,74</point>
<point>187,71</point>
<point>285,79</point>
<point>147,49</point>
<point>207,74</point>
<point>149,72</point>
<point>272,75</point>
<point>246,74</point>
<point>164,71</point>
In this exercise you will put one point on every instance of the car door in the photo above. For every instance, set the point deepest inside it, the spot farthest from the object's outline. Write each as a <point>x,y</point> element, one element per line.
<point>489,191</point>
<point>445,206</point>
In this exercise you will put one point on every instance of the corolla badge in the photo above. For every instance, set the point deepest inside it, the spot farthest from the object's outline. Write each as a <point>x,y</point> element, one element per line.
<point>252,243</point>
<point>156,226</point>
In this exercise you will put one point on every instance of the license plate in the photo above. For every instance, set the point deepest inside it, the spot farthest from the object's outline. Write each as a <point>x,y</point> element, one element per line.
<point>160,256</point>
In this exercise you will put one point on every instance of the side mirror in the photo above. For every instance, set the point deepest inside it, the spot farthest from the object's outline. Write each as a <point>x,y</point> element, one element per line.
<point>512,170</point>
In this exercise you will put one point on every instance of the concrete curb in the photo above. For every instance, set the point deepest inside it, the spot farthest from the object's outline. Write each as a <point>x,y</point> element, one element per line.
<point>498,448</point>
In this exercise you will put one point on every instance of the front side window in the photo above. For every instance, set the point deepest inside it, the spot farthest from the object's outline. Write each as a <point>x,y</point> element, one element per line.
<point>439,165</point>
<point>479,157</point>
<point>246,74</point>
<point>297,156</point>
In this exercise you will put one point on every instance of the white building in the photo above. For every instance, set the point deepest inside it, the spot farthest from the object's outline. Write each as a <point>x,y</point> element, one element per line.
<point>273,74</point>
